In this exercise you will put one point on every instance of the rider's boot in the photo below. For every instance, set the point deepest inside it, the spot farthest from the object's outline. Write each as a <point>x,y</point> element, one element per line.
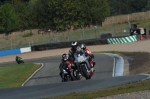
<point>80,76</point>
<point>92,71</point>
<point>61,76</point>
<point>94,63</point>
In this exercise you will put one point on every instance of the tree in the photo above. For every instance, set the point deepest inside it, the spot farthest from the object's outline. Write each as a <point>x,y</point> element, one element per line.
<point>21,11</point>
<point>99,10</point>
<point>91,11</point>
<point>43,13</point>
<point>147,7</point>
<point>118,7</point>
<point>8,19</point>
<point>59,14</point>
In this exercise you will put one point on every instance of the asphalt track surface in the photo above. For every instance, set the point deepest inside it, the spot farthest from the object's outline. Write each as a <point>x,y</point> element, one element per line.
<point>47,82</point>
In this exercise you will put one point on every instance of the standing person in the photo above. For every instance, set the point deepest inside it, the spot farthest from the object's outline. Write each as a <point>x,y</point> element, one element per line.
<point>91,59</point>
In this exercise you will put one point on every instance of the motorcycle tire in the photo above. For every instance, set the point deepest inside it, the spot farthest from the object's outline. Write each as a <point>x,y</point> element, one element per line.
<point>85,72</point>
<point>21,61</point>
<point>77,75</point>
<point>66,78</point>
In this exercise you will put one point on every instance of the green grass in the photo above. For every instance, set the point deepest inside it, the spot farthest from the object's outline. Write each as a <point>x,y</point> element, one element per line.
<point>14,76</point>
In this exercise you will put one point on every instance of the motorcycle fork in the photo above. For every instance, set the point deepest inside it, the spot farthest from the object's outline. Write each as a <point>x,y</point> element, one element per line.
<point>79,70</point>
<point>88,65</point>
<point>85,67</point>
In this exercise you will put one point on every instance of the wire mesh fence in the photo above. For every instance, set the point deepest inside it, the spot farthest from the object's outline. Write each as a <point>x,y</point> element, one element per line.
<point>19,40</point>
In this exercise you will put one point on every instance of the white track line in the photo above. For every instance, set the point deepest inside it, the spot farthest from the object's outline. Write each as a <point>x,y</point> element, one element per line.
<point>33,73</point>
<point>114,65</point>
<point>146,75</point>
<point>118,67</point>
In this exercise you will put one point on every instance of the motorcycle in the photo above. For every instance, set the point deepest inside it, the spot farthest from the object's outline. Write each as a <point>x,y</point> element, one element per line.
<point>19,60</point>
<point>68,73</point>
<point>81,60</point>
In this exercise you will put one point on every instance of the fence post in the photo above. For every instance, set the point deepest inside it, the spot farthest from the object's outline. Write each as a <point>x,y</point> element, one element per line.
<point>68,34</point>
<point>114,30</point>
<point>96,28</point>
<point>11,43</point>
<point>83,32</point>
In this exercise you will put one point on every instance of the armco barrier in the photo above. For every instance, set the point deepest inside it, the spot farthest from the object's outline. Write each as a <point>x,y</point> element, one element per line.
<point>67,44</point>
<point>122,40</point>
<point>10,52</point>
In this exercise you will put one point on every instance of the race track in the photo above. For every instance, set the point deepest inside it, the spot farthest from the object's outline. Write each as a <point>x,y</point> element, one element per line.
<point>47,83</point>
<point>50,72</point>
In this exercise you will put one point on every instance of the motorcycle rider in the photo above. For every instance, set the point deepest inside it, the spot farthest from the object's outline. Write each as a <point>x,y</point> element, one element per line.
<point>91,57</point>
<point>74,46</point>
<point>66,62</point>
<point>73,49</point>
<point>19,59</point>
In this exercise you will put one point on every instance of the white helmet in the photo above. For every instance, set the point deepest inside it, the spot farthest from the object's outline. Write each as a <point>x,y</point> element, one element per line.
<point>83,46</point>
<point>74,45</point>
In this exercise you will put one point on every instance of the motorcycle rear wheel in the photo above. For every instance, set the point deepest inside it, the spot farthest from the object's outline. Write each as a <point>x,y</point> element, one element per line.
<point>76,74</point>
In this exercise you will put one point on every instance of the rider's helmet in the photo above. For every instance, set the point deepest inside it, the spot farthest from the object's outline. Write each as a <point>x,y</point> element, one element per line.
<point>74,45</point>
<point>65,57</point>
<point>83,46</point>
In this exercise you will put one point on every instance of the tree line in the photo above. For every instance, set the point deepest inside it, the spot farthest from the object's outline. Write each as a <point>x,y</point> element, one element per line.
<point>61,15</point>
<point>118,7</point>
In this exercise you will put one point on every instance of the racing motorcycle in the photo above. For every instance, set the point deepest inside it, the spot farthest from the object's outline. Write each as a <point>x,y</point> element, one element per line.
<point>69,73</point>
<point>81,60</point>
<point>19,60</point>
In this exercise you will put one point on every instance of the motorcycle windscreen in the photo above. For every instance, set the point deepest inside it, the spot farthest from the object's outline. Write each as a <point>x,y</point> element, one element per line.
<point>79,56</point>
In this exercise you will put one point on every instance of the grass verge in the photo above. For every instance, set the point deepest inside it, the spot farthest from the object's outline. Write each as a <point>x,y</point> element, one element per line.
<point>14,76</point>
<point>127,88</point>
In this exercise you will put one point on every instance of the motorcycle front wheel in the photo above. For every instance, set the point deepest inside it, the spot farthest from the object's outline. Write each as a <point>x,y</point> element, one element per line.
<point>85,72</point>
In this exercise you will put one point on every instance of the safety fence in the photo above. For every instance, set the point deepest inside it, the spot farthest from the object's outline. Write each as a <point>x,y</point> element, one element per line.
<point>15,51</point>
<point>127,17</point>
<point>117,40</point>
<point>116,25</point>
<point>29,38</point>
